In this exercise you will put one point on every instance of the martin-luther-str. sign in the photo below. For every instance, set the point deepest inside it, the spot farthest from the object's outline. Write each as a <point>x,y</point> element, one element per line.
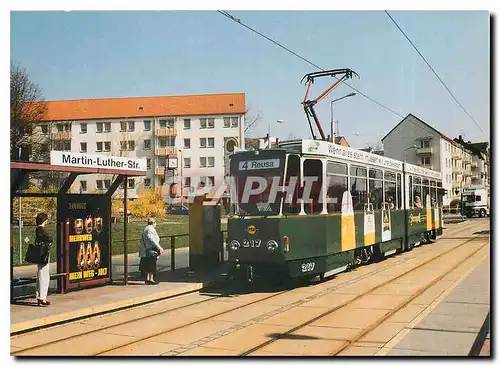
<point>97,161</point>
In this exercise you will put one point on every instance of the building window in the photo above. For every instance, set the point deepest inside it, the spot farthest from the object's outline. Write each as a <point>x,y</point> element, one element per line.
<point>107,183</point>
<point>211,123</point>
<point>167,123</point>
<point>167,142</point>
<point>187,181</point>
<point>187,124</point>
<point>211,180</point>
<point>83,147</point>
<point>227,122</point>
<point>203,162</point>
<point>162,181</point>
<point>147,125</point>
<point>99,184</point>
<point>425,161</point>
<point>83,128</point>
<point>107,145</point>
<point>187,143</point>
<point>45,129</point>
<point>187,162</point>
<point>211,161</point>
<point>98,146</point>
<point>203,142</point>
<point>60,127</point>
<point>211,142</point>
<point>107,126</point>
<point>203,123</point>
<point>99,127</point>
<point>123,126</point>
<point>425,143</point>
<point>147,144</point>
<point>147,182</point>
<point>148,163</point>
<point>131,145</point>
<point>162,161</point>
<point>83,185</point>
<point>123,145</point>
<point>131,126</point>
<point>131,183</point>
<point>234,122</point>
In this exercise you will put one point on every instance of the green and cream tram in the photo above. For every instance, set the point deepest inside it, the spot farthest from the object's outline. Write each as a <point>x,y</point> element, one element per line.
<point>336,207</point>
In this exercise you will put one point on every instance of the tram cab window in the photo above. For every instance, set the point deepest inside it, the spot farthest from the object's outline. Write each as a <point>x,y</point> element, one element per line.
<point>292,180</point>
<point>336,179</point>
<point>375,184</point>
<point>399,201</point>
<point>313,168</point>
<point>359,186</point>
<point>417,193</point>
<point>390,189</point>
<point>440,194</point>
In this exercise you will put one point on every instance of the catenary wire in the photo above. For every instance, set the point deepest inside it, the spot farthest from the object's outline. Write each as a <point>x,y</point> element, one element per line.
<point>434,71</point>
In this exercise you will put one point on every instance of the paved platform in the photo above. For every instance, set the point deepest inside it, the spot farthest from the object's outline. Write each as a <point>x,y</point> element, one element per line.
<point>26,314</point>
<point>454,326</point>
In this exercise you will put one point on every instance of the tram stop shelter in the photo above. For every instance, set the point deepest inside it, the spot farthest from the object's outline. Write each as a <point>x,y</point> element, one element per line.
<point>84,246</point>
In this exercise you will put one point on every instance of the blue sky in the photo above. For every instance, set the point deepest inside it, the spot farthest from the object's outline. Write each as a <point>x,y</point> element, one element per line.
<point>75,55</point>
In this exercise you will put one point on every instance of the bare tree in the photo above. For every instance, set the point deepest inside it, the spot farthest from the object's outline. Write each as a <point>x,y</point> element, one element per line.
<point>27,107</point>
<point>374,145</point>
<point>251,120</point>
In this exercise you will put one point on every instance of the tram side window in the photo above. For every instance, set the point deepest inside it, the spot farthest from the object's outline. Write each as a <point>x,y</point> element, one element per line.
<point>313,168</point>
<point>290,204</point>
<point>390,189</point>
<point>359,187</point>
<point>410,192</point>
<point>399,202</point>
<point>376,188</point>
<point>425,191</point>
<point>417,193</point>
<point>336,175</point>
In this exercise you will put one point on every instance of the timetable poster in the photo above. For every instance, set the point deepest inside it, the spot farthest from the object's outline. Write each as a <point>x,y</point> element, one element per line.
<point>86,238</point>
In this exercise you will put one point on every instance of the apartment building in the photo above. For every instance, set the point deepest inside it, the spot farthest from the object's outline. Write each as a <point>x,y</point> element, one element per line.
<point>417,142</point>
<point>480,166</point>
<point>192,128</point>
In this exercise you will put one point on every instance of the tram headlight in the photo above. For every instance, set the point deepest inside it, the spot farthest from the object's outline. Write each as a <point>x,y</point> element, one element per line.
<point>234,245</point>
<point>272,245</point>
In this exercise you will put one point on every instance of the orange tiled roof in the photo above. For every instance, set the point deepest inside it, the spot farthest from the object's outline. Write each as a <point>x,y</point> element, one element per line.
<point>182,105</point>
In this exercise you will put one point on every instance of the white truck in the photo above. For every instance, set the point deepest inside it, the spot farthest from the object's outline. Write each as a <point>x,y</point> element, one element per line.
<point>475,201</point>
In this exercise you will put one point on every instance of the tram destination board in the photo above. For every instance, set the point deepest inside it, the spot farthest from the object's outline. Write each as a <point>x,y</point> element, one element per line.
<point>86,239</point>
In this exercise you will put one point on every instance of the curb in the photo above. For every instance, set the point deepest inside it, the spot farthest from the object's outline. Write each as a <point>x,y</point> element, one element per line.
<point>58,319</point>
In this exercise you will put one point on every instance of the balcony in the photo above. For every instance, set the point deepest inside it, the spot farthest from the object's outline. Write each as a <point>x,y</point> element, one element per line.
<point>427,166</point>
<point>456,183</point>
<point>165,151</point>
<point>473,164</point>
<point>160,171</point>
<point>166,132</point>
<point>456,155</point>
<point>61,136</point>
<point>425,151</point>
<point>456,170</point>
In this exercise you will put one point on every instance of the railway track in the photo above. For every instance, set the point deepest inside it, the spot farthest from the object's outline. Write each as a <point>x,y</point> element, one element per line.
<point>329,289</point>
<point>380,320</point>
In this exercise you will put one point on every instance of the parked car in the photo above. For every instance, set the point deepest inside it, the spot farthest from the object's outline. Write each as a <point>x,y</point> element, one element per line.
<point>178,210</point>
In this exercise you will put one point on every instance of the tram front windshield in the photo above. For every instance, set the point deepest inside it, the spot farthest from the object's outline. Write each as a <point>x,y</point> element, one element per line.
<point>254,177</point>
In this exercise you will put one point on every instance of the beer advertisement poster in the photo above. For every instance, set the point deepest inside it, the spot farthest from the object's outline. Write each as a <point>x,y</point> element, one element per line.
<point>86,239</point>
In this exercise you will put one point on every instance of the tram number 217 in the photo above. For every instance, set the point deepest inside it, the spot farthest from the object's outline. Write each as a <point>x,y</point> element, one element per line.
<point>308,267</point>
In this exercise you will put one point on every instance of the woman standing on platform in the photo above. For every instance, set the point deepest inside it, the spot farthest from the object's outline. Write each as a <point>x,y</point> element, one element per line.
<point>149,251</point>
<point>44,240</point>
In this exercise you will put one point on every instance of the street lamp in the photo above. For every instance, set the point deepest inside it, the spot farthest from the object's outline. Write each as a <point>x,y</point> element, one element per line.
<point>182,182</point>
<point>331,111</point>
<point>280,121</point>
